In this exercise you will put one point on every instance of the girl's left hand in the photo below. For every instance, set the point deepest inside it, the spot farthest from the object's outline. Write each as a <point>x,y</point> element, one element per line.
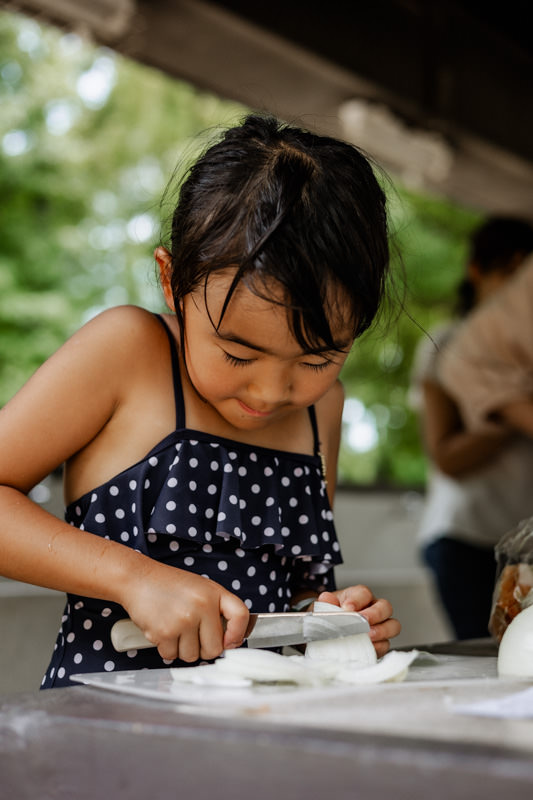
<point>378,612</point>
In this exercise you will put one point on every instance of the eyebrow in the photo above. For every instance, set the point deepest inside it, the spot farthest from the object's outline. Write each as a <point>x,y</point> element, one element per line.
<point>315,351</point>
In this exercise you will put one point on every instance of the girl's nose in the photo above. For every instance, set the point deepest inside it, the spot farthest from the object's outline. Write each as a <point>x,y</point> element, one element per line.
<point>271,387</point>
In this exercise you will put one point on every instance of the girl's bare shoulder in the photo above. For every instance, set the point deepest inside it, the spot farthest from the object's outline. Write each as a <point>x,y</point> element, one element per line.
<point>114,342</point>
<point>121,329</point>
<point>84,393</point>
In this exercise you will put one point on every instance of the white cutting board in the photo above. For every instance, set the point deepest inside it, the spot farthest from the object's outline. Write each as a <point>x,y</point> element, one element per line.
<point>158,684</point>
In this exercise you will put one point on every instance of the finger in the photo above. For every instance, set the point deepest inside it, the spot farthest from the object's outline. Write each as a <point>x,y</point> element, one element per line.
<point>329,597</point>
<point>382,647</point>
<point>189,646</point>
<point>358,598</point>
<point>379,611</point>
<point>168,649</point>
<point>211,637</point>
<point>385,630</point>
<point>237,617</point>
<point>355,598</point>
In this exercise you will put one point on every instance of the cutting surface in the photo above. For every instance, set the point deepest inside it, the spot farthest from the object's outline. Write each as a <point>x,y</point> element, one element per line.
<point>158,684</point>
<point>404,740</point>
<point>425,705</point>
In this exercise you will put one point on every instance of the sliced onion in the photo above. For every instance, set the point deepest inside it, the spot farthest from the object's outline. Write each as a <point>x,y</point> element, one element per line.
<point>266,667</point>
<point>208,675</point>
<point>325,671</point>
<point>356,649</point>
<point>393,667</point>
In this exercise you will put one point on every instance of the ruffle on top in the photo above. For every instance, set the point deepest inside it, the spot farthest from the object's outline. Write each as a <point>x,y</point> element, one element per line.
<point>206,489</point>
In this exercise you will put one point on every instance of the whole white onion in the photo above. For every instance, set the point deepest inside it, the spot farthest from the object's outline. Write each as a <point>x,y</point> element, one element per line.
<point>515,655</point>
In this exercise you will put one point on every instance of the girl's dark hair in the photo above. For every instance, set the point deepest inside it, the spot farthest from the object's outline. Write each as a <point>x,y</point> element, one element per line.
<point>286,205</point>
<point>494,247</point>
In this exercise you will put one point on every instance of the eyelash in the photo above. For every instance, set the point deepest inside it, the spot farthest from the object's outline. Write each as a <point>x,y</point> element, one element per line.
<point>242,362</point>
<point>237,362</point>
<point>318,367</point>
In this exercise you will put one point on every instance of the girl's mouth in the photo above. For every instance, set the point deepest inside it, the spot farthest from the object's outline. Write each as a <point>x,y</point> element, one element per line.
<point>252,411</point>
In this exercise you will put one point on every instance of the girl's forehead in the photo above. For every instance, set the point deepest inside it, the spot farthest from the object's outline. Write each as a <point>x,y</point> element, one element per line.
<point>265,302</point>
<point>246,298</point>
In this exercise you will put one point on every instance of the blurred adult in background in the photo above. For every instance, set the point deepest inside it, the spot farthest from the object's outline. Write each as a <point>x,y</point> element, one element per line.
<point>479,480</point>
<point>488,366</point>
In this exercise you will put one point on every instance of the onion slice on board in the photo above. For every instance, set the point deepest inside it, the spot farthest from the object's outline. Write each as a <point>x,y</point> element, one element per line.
<point>392,667</point>
<point>263,666</point>
<point>208,675</point>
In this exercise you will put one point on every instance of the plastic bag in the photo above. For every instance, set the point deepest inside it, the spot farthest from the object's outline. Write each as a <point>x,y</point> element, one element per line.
<point>513,589</point>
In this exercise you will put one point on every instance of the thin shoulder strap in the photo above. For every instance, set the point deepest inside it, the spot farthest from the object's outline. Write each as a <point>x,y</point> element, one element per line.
<point>176,377</point>
<point>314,425</point>
<point>316,445</point>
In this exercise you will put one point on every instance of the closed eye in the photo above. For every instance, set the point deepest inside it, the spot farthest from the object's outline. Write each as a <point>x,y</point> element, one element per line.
<point>237,362</point>
<point>318,367</point>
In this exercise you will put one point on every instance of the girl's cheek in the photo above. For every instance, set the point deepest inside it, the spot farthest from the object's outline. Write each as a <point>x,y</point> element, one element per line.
<point>314,390</point>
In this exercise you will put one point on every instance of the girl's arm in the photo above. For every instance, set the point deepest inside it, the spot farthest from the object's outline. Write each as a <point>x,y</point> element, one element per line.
<point>455,450</point>
<point>77,404</point>
<point>177,610</point>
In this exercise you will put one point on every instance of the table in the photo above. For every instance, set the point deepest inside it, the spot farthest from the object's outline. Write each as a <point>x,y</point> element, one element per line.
<point>386,741</point>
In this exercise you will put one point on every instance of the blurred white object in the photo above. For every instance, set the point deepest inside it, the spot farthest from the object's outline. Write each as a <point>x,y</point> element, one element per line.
<point>515,656</point>
<point>417,154</point>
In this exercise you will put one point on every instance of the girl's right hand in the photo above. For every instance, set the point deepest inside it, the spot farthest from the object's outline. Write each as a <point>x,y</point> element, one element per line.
<point>182,613</point>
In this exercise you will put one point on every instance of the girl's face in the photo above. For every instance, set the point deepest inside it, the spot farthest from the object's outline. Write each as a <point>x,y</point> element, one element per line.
<point>251,370</point>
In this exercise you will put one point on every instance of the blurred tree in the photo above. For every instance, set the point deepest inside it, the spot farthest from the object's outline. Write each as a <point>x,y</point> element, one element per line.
<point>87,142</point>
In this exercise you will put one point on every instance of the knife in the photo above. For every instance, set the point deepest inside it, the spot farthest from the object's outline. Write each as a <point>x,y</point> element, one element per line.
<point>265,630</point>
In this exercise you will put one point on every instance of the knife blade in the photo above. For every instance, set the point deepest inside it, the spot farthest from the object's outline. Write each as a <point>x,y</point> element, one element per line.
<point>265,630</point>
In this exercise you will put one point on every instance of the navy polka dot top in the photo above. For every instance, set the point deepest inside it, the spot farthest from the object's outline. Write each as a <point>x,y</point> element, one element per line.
<point>254,519</point>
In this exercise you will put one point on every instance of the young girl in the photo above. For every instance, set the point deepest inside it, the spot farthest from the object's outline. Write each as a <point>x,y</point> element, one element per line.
<point>200,446</point>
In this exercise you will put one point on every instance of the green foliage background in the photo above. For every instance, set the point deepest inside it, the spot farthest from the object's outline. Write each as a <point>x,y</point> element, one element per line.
<point>81,179</point>
<point>82,174</point>
<point>430,241</point>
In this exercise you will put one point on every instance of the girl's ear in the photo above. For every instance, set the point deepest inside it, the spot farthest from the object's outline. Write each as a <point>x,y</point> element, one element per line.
<point>164,261</point>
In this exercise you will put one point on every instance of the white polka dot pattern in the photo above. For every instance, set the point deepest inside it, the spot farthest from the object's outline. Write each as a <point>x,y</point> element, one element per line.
<point>255,520</point>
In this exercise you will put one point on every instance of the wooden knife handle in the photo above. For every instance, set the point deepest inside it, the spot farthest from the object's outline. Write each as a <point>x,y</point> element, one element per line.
<point>126,635</point>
